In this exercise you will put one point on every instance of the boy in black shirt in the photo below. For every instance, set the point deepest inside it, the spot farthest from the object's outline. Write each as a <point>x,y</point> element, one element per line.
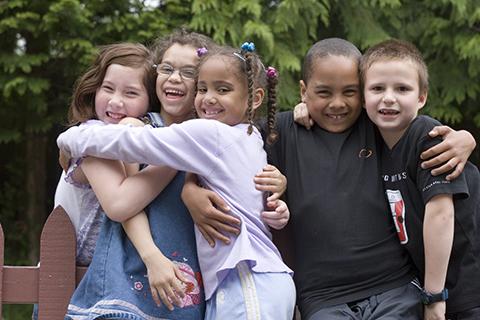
<point>431,214</point>
<point>348,263</point>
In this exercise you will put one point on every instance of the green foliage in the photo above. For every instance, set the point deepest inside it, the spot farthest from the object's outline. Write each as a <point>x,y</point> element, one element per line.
<point>46,44</point>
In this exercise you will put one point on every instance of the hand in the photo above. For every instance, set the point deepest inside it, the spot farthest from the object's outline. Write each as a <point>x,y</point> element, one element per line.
<point>435,311</point>
<point>278,217</point>
<point>64,160</point>
<point>134,122</point>
<point>271,180</point>
<point>301,116</point>
<point>210,213</point>
<point>452,153</point>
<point>165,279</point>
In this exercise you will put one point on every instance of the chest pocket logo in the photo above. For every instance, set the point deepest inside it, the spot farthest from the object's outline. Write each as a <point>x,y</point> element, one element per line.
<point>365,153</point>
<point>397,208</point>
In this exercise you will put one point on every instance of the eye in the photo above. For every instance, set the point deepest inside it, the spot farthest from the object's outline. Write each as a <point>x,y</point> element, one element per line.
<point>165,69</point>
<point>403,89</point>
<point>223,90</point>
<point>132,93</point>
<point>188,73</point>
<point>107,87</point>
<point>376,88</point>
<point>201,90</point>
<point>323,93</point>
<point>350,92</point>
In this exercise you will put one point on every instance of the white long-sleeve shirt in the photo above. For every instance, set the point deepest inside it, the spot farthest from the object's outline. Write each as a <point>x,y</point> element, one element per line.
<point>224,157</point>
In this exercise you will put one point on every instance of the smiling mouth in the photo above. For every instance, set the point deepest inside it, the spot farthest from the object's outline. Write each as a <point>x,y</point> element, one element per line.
<point>116,116</point>
<point>388,112</point>
<point>337,116</point>
<point>211,113</point>
<point>172,93</point>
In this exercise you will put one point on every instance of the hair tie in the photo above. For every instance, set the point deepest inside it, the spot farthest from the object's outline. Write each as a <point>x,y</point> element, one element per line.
<point>201,51</point>
<point>271,73</point>
<point>248,47</point>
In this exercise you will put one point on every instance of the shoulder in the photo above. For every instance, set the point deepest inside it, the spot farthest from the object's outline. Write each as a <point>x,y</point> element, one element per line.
<point>421,126</point>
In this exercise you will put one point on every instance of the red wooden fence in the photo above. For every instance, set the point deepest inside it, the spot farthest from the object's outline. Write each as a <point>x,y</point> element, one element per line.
<point>52,282</point>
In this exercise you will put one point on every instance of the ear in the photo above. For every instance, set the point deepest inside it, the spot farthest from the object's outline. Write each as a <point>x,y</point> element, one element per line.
<point>303,90</point>
<point>258,96</point>
<point>422,100</point>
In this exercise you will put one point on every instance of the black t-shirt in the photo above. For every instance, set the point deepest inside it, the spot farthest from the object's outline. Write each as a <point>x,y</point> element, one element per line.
<point>409,187</point>
<point>345,244</point>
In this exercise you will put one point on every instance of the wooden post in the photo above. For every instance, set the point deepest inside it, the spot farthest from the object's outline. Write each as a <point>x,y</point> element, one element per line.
<point>2,243</point>
<point>57,266</point>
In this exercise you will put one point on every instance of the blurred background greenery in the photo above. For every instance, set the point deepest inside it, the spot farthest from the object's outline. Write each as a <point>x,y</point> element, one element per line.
<point>46,44</point>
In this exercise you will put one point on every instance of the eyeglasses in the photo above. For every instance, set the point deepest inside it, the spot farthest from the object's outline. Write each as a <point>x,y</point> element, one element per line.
<point>166,70</point>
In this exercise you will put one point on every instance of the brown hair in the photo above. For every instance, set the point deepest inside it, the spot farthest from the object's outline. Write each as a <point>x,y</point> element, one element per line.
<point>328,47</point>
<point>132,55</point>
<point>182,37</point>
<point>249,65</point>
<point>395,49</point>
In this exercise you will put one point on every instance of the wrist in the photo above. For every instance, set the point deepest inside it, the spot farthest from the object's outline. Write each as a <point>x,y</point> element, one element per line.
<point>429,298</point>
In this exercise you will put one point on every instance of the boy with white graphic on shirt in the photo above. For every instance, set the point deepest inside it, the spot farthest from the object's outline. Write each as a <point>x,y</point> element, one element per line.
<point>436,219</point>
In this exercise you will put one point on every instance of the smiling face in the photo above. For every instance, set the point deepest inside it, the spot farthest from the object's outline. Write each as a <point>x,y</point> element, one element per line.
<point>176,93</point>
<point>332,94</point>
<point>393,97</point>
<point>222,92</point>
<point>121,94</point>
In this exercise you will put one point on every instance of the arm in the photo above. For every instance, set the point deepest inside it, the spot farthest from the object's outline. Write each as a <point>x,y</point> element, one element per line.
<point>208,211</point>
<point>271,180</point>
<point>164,277</point>
<point>191,146</point>
<point>452,153</point>
<point>121,197</point>
<point>438,229</point>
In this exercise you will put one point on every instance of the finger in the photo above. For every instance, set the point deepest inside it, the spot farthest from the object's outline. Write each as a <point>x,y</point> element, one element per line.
<point>439,131</point>
<point>447,167</point>
<point>216,215</point>
<point>265,180</point>
<point>437,160</point>
<point>165,299</point>
<point>155,297</point>
<point>434,151</point>
<point>172,294</point>
<point>217,235</point>
<point>310,122</point>
<point>225,228</point>
<point>458,170</point>
<point>274,197</point>
<point>206,236</point>
<point>269,167</point>
<point>218,202</point>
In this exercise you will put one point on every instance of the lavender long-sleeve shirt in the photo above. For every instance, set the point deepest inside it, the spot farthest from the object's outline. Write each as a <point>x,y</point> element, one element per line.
<point>224,157</point>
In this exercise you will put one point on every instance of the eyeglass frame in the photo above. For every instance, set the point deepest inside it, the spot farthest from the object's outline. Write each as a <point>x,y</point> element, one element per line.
<point>181,71</point>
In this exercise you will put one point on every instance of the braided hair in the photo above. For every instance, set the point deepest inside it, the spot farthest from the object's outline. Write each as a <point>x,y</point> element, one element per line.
<point>249,65</point>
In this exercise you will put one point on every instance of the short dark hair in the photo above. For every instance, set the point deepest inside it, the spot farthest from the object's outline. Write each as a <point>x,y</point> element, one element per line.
<point>328,47</point>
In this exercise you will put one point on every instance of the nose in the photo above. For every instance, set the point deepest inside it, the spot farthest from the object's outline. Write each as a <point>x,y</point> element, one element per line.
<point>210,99</point>
<point>116,101</point>
<point>175,76</point>
<point>388,97</point>
<point>338,102</point>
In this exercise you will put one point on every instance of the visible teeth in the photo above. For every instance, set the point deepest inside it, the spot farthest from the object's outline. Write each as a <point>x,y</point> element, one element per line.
<point>388,111</point>
<point>336,116</point>
<point>174,92</point>
<point>115,115</point>
<point>211,112</point>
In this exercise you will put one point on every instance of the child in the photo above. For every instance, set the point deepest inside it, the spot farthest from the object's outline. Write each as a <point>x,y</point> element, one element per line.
<point>348,262</point>
<point>436,219</point>
<point>116,86</point>
<point>246,278</point>
<point>116,284</point>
